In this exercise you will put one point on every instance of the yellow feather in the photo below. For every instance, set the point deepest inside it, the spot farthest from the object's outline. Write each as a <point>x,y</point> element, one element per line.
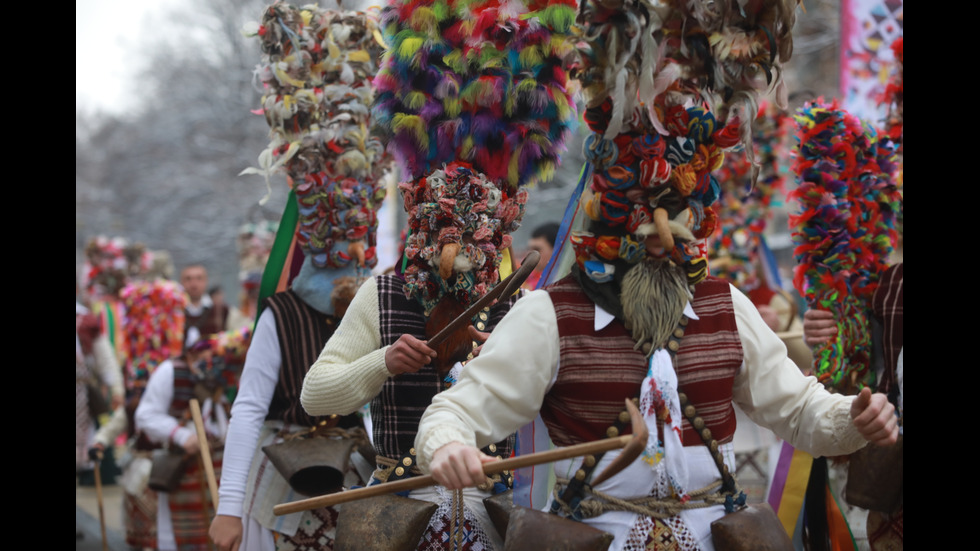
<point>466,149</point>
<point>414,100</point>
<point>451,106</point>
<point>512,174</point>
<point>412,124</point>
<point>360,56</point>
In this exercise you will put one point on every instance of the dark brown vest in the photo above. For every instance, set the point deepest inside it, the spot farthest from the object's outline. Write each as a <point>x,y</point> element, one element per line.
<point>302,332</point>
<point>209,322</point>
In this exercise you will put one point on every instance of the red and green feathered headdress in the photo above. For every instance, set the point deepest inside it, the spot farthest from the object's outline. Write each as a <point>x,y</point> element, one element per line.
<point>844,232</point>
<point>472,100</point>
<point>153,327</point>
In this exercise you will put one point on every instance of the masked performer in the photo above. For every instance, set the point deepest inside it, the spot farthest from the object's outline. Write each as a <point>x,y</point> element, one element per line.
<point>669,88</point>
<point>316,67</point>
<point>474,104</point>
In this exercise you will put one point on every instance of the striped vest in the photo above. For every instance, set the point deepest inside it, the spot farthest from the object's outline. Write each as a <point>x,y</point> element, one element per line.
<point>180,404</point>
<point>183,389</point>
<point>887,303</point>
<point>600,369</point>
<point>396,410</point>
<point>302,332</point>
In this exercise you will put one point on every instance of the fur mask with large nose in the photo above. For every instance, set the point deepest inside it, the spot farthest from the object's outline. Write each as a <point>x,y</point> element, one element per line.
<point>459,224</point>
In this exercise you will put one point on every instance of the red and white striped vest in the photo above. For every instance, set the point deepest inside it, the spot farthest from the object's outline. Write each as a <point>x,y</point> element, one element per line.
<point>600,369</point>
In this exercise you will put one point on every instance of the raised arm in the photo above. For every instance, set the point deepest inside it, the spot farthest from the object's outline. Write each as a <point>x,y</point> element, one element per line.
<point>498,392</point>
<point>773,392</point>
<point>351,368</point>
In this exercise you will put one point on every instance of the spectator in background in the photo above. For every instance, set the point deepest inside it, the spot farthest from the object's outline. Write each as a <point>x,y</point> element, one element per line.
<point>542,240</point>
<point>202,315</point>
<point>163,418</point>
<point>244,314</point>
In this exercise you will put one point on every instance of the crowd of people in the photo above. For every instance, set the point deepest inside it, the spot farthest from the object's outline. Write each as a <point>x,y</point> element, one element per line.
<point>146,347</point>
<point>335,373</point>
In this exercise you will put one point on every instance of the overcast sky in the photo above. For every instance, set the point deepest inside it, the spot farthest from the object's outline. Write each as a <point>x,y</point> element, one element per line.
<point>108,35</point>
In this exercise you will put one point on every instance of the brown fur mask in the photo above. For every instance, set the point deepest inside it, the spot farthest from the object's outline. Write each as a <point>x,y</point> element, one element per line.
<point>653,295</point>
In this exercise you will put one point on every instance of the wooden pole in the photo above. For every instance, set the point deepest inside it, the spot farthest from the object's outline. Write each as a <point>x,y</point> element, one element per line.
<point>414,483</point>
<point>98,495</point>
<point>202,439</point>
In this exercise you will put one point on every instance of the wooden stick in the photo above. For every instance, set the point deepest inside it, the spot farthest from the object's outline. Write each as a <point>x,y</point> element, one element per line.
<point>547,456</point>
<point>202,440</point>
<point>98,495</point>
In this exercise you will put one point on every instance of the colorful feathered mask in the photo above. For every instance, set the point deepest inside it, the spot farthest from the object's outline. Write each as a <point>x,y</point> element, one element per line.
<point>153,327</point>
<point>316,72</point>
<point>670,88</point>
<point>844,232</point>
<point>472,99</point>
<point>744,209</point>
<point>111,263</point>
<point>458,210</point>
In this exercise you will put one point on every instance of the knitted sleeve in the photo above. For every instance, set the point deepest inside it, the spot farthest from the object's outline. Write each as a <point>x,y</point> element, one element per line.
<point>351,368</point>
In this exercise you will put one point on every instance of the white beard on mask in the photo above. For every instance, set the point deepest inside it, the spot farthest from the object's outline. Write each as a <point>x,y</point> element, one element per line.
<point>653,294</point>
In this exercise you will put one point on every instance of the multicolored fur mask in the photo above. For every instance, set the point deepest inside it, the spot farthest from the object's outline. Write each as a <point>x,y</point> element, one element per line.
<point>458,208</point>
<point>473,101</point>
<point>668,90</point>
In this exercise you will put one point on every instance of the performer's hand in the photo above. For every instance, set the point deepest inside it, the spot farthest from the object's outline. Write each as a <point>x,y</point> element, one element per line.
<point>408,355</point>
<point>819,326</point>
<point>190,444</point>
<point>874,417</point>
<point>458,466</point>
<point>96,451</point>
<point>117,400</point>
<point>478,336</point>
<point>226,532</point>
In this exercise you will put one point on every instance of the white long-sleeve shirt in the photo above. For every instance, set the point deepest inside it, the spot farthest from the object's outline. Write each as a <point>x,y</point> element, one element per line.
<point>256,387</point>
<point>154,419</point>
<point>351,368</point>
<point>503,388</point>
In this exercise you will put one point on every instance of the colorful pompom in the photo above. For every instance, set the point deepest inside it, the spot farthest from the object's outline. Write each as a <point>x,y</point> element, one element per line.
<point>844,232</point>
<point>317,72</point>
<point>153,327</point>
